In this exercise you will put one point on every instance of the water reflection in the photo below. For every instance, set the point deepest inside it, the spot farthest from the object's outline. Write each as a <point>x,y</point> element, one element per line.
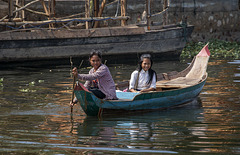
<point>148,131</point>
<point>35,115</point>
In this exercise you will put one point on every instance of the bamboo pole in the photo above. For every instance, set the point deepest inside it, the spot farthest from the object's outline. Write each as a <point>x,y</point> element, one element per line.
<point>148,14</point>
<point>51,11</point>
<point>87,12</point>
<point>10,9</point>
<point>165,16</point>
<point>44,7</point>
<point>29,10</point>
<point>63,20</point>
<point>23,12</point>
<point>100,13</point>
<point>17,13</point>
<point>96,7</point>
<point>32,2</point>
<point>123,11</point>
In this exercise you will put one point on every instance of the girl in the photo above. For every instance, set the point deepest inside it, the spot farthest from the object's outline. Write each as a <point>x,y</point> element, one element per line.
<point>99,80</point>
<point>143,79</point>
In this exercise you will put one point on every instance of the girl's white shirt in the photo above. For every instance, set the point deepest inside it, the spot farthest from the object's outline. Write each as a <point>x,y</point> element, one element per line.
<point>143,80</point>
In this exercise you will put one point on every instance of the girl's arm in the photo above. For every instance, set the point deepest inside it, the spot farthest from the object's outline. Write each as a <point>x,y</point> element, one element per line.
<point>101,71</point>
<point>147,90</point>
<point>133,81</point>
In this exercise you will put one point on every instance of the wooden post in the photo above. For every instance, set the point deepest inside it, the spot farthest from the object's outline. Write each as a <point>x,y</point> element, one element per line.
<point>123,11</point>
<point>10,10</point>
<point>165,15</point>
<point>44,7</point>
<point>96,7</point>
<point>51,11</point>
<point>100,13</point>
<point>22,3</point>
<point>87,12</point>
<point>22,12</point>
<point>148,10</point>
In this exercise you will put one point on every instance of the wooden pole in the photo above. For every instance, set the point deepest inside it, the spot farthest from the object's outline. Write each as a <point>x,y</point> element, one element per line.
<point>21,8</point>
<point>23,12</point>
<point>87,12</point>
<point>165,16</point>
<point>96,7</point>
<point>10,10</point>
<point>44,7</point>
<point>50,10</point>
<point>61,20</point>
<point>148,14</point>
<point>50,13</point>
<point>100,13</point>
<point>123,11</point>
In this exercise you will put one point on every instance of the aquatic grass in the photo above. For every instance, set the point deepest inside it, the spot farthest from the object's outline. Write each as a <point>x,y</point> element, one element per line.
<point>218,49</point>
<point>1,82</point>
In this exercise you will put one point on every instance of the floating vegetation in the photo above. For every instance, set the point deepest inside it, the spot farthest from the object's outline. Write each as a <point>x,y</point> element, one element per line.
<point>27,90</point>
<point>1,82</point>
<point>218,49</point>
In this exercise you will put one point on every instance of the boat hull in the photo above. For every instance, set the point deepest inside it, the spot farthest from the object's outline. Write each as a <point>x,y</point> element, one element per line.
<point>145,101</point>
<point>22,46</point>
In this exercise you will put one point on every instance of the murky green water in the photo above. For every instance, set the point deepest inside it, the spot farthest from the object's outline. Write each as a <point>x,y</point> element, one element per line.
<point>35,116</point>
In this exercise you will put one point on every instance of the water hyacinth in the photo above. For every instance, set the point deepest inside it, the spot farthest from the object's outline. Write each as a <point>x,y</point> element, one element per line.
<point>1,81</point>
<point>218,49</point>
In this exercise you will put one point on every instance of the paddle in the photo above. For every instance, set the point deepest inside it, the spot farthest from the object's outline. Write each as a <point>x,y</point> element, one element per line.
<point>74,81</point>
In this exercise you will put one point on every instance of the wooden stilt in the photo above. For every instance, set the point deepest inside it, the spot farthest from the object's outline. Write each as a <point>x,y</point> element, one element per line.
<point>123,11</point>
<point>51,11</point>
<point>10,10</point>
<point>22,8</point>
<point>100,13</point>
<point>23,11</point>
<point>44,7</point>
<point>96,7</point>
<point>148,10</point>
<point>87,12</point>
<point>165,15</point>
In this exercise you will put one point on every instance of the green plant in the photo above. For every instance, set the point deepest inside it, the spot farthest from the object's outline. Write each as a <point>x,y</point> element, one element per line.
<point>218,49</point>
<point>1,81</point>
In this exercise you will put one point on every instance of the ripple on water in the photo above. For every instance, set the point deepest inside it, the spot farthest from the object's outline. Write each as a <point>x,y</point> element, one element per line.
<point>235,62</point>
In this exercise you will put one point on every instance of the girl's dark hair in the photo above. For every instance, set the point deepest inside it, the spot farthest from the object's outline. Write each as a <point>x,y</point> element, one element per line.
<point>150,71</point>
<point>95,52</point>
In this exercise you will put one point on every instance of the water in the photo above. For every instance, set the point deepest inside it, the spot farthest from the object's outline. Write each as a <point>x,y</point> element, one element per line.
<point>35,115</point>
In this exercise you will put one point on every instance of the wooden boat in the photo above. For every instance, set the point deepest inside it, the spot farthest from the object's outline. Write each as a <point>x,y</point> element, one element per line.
<point>173,89</point>
<point>38,45</point>
<point>48,39</point>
